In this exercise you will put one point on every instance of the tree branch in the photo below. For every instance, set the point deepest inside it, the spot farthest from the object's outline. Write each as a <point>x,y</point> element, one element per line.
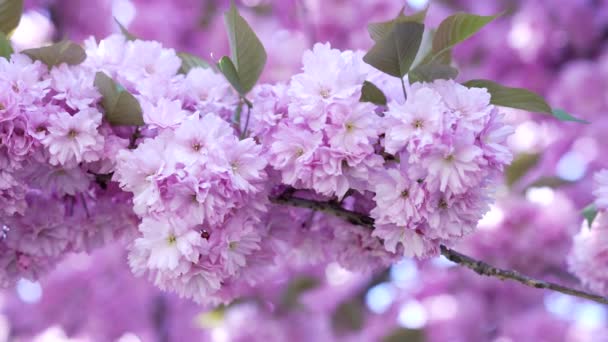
<point>480,267</point>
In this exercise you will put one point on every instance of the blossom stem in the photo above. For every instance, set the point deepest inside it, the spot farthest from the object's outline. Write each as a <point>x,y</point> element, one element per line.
<point>480,267</point>
<point>403,88</point>
<point>249,105</point>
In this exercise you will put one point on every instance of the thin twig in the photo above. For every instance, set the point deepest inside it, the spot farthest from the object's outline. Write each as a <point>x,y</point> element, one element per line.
<point>486,269</point>
<point>481,267</point>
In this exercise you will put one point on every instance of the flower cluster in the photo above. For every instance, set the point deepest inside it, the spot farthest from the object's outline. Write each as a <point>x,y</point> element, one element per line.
<point>589,253</point>
<point>52,141</point>
<point>327,141</point>
<point>196,178</point>
<point>449,145</point>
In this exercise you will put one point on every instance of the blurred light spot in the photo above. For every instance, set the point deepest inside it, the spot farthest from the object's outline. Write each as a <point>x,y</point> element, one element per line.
<point>492,218</point>
<point>220,335</point>
<point>585,315</point>
<point>571,166</point>
<point>525,136</point>
<point>590,315</point>
<point>405,273</point>
<point>542,196</point>
<point>412,315</point>
<point>524,38</point>
<point>53,334</point>
<point>124,11</point>
<point>560,305</point>
<point>252,3</point>
<point>34,30</point>
<point>4,328</point>
<point>380,297</point>
<point>502,339</point>
<point>28,291</point>
<point>442,262</point>
<point>441,307</point>
<point>129,337</point>
<point>336,274</point>
<point>418,4</point>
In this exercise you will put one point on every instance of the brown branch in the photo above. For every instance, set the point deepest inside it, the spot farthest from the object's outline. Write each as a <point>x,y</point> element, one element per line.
<point>480,267</point>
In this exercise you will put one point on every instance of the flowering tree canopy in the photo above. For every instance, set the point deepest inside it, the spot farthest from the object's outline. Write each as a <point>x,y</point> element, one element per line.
<point>310,184</point>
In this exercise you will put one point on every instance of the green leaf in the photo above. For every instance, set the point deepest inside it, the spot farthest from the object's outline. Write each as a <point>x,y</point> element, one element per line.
<point>128,35</point>
<point>190,61</point>
<point>349,316</point>
<point>248,54</point>
<point>551,182</point>
<point>395,53</point>
<point>121,107</point>
<point>520,98</point>
<point>523,163</point>
<point>431,72</point>
<point>6,49</point>
<point>455,29</point>
<point>590,213</point>
<point>565,116</point>
<point>295,289</point>
<point>379,30</point>
<point>59,53</point>
<point>229,70</point>
<point>371,93</point>
<point>512,97</point>
<point>405,335</point>
<point>10,15</point>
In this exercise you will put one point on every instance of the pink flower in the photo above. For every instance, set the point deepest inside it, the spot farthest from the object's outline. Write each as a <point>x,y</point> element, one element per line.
<point>167,242</point>
<point>164,114</point>
<point>417,122</point>
<point>601,189</point>
<point>589,254</point>
<point>455,167</point>
<point>399,200</point>
<point>74,138</point>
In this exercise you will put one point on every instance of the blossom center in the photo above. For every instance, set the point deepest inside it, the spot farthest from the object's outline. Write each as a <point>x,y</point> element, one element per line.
<point>349,127</point>
<point>405,193</point>
<point>150,68</point>
<point>205,234</point>
<point>232,245</point>
<point>197,146</point>
<point>171,239</point>
<point>442,204</point>
<point>324,92</point>
<point>449,158</point>
<point>299,152</point>
<point>72,133</point>
<point>418,123</point>
<point>234,166</point>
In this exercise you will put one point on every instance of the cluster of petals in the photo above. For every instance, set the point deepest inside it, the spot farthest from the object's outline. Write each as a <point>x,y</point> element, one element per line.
<point>589,253</point>
<point>191,186</point>
<point>448,145</point>
<point>52,142</point>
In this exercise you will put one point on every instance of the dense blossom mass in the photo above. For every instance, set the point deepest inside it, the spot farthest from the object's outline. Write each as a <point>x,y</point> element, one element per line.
<point>196,181</point>
<point>302,212</point>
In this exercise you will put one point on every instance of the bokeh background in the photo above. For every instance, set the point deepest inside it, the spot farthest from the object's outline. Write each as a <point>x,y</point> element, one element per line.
<point>556,48</point>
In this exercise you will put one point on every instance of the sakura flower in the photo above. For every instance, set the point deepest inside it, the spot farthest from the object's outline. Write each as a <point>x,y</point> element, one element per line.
<point>601,189</point>
<point>417,122</point>
<point>74,138</point>
<point>167,242</point>
<point>455,167</point>
<point>164,114</point>
<point>399,200</point>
